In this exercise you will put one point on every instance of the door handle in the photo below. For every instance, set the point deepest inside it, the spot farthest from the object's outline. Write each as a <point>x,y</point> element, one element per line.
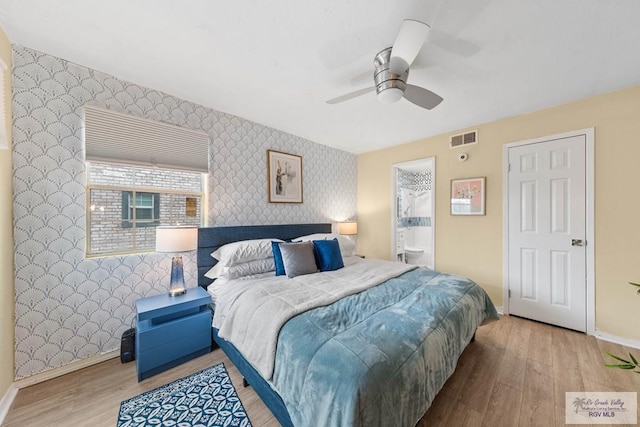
<point>578,242</point>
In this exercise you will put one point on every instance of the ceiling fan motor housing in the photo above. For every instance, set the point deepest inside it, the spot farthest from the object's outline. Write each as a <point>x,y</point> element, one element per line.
<point>386,82</point>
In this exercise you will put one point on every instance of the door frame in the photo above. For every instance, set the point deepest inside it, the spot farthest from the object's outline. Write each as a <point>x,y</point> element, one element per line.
<point>589,134</point>
<point>394,204</point>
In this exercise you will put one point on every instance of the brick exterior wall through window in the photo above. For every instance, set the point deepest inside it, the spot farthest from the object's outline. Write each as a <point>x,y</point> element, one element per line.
<point>111,231</point>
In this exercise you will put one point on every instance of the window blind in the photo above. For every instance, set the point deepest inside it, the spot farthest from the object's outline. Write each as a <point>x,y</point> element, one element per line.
<point>121,138</point>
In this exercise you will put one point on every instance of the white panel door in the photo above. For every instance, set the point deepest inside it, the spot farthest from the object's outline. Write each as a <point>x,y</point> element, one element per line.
<point>547,229</point>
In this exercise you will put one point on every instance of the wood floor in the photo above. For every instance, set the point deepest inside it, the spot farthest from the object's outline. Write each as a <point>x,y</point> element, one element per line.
<point>516,373</point>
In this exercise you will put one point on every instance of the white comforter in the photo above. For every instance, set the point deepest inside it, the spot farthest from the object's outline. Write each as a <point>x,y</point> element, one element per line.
<point>250,313</point>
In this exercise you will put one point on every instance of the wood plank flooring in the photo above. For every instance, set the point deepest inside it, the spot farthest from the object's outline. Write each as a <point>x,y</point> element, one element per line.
<point>516,373</point>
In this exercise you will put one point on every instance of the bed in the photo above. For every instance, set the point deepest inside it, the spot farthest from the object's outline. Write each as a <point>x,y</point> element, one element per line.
<point>376,354</point>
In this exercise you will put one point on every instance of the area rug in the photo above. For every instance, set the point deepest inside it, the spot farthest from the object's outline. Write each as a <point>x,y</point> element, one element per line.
<point>206,398</point>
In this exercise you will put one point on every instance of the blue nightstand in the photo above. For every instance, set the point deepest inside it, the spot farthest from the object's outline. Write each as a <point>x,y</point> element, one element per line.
<point>171,330</point>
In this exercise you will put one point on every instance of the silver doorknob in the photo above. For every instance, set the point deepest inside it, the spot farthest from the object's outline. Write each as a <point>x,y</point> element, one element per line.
<point>577,242</point>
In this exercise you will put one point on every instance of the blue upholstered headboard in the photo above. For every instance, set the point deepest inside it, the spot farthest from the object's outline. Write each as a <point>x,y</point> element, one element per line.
<point>211,238</point>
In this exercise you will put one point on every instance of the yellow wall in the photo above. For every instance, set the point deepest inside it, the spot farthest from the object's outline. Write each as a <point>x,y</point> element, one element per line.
<point>472,246</point>
<point>6,235</point>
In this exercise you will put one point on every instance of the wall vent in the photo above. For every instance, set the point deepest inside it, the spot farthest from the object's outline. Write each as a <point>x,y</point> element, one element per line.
<point>463,139</point>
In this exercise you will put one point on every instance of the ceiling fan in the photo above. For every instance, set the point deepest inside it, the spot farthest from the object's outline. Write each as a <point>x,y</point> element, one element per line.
<point>392,69</point>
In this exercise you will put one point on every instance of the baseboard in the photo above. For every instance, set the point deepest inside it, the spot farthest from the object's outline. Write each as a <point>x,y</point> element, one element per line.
<point>500,310</point>
<point>6,401</point>
<point>66,369</point>
<point>604,336</point>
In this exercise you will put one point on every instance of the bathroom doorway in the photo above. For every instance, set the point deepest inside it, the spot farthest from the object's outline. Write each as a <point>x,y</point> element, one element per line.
<point>412,219</point>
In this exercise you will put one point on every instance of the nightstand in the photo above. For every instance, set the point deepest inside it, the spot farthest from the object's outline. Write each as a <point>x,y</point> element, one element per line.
<point>171,330</point>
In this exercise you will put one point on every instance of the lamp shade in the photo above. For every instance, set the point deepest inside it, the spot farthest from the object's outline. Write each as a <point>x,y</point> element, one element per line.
<point>348,228</point>
<point>176,239</point>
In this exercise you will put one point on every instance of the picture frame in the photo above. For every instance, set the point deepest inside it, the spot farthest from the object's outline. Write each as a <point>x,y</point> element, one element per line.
<point>284,177</point>
<point>468,196</point>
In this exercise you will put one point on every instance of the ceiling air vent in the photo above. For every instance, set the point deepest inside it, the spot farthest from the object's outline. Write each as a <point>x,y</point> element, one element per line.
<point>463,139</point>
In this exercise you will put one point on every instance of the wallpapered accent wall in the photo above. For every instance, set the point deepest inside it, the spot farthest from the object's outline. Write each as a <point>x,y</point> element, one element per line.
<point>68,307</point>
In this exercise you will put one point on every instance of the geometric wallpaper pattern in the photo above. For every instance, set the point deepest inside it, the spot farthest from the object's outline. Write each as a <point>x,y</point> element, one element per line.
<point>69,307</point>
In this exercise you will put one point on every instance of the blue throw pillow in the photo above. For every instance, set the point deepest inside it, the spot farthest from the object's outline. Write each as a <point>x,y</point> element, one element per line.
<point>277,258</point>
<point>328,255</point>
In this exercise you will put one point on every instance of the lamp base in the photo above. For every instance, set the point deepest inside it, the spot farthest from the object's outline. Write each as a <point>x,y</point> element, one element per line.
<point>177,287</point>
<point>176,292</point>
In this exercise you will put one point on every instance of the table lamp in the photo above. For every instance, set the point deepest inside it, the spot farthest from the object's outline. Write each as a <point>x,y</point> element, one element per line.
<point>348,228</point>
<point>175,239</point>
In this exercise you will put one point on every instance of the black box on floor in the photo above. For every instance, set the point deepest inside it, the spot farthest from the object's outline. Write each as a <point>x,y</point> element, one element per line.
<point>128,346</point>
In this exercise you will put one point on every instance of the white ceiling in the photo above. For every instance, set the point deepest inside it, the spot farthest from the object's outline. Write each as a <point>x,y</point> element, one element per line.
<point>276,62</point>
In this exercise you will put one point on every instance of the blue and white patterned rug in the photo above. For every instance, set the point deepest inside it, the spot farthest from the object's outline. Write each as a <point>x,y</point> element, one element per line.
<point>206,398</point>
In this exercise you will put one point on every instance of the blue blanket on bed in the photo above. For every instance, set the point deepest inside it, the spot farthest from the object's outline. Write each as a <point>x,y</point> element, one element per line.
<point>379,357</point>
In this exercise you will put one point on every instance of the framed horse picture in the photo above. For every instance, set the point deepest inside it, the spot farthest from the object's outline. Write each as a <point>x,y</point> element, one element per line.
<point>284,176</point>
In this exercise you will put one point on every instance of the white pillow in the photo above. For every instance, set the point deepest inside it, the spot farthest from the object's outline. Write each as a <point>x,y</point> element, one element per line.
<point>215,272</point>
<point>244,269</point>
<point>244,251</point>
<point>347,246</point>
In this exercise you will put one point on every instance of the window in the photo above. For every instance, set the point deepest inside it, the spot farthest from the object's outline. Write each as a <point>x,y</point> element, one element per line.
<point>140,208</point>
<point>127,203</point>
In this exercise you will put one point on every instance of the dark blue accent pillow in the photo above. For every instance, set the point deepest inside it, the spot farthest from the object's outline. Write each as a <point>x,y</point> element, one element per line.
<point>328,255</point>
<point>277,258</point>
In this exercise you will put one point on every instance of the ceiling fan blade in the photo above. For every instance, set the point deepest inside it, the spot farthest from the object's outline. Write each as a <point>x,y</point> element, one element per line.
<point>422,97</point>
<point>351,95</point>
<point>409,41</point>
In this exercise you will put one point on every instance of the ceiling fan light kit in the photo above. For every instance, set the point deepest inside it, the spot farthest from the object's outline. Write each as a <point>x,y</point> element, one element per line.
<point>392,70</point>
<point>390,95</point>
<point>389,87</point>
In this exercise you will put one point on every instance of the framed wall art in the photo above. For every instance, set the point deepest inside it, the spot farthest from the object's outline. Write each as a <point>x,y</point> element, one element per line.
<point>284,176</point>
<point>467,196</point>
